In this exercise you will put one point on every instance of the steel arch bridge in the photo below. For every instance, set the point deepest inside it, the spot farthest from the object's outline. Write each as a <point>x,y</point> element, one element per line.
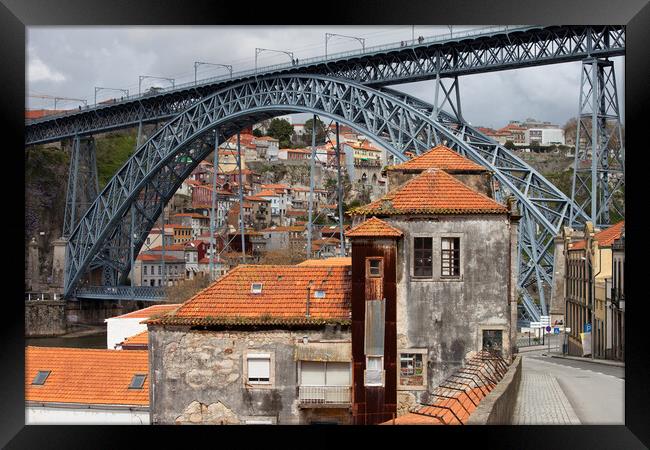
<point>133,199</point>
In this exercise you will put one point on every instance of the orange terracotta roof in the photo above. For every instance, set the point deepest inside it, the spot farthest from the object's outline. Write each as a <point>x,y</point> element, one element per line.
<point>432,192</point>
<point>439,157</point>
<point>605,237</point>
<point>139,340</point>
<point>88,376</point>
<point>150,311</point>
<point>158,257</point>
<point>168,248</point>
<point>278,229</point>
<point>439,413</point>
<point>328,262</point>
<point>267,193</point>
<point>229,300</point>
<point>374,227</point>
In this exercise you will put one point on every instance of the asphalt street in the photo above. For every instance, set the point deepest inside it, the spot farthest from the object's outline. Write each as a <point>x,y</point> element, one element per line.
<point>596,392</point>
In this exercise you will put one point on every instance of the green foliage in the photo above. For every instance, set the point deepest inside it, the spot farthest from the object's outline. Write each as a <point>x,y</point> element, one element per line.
<point>281,130</point>
<point>321,130</point>
<point>45,164</point>
<point>112,152</point>
<point>257,132</point>
<point>510,145</point>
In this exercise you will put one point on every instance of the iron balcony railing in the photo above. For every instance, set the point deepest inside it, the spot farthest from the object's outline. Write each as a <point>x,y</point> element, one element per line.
<point>455,35</point>
<point>324,395</point>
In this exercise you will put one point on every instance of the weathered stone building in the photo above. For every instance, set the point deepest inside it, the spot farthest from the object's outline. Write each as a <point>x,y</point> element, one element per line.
<point>263,344</point>
<point>441,260</point>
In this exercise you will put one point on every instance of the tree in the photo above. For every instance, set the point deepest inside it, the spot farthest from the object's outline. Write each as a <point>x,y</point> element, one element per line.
<point>281,130</point>
<point>185,289</point>
<point>510,145</point>
<point>257,132</point>
<point>321,131</point>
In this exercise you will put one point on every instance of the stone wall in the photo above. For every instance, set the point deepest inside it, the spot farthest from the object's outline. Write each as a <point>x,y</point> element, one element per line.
<point>498,406</point>
<point>197,376</point>
<point>447,317</point>
<point>45,318</point>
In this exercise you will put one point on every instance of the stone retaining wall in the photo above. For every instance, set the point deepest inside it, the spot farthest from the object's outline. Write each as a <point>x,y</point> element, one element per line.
<point>498,406</point>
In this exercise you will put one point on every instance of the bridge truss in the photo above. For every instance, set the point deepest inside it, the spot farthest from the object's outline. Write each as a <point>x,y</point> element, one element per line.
<point>132,200</point>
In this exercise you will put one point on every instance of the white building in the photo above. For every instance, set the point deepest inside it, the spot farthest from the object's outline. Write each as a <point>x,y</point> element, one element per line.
<point>545,136</point>
<point>121,327</point>
<point>70,386</point>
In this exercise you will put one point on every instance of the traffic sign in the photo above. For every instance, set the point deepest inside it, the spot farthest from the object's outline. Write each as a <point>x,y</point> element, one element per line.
<point>556,330</point>
<point>548,329</point>
<point>587,327</point>
<point>536,325</point>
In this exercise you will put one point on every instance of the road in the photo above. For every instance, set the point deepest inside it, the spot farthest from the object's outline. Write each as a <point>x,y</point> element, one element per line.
<point>593,393</point>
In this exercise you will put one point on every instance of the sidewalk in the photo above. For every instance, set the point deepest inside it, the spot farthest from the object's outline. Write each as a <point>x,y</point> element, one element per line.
<point>541,401</point>
<point>607,362</point>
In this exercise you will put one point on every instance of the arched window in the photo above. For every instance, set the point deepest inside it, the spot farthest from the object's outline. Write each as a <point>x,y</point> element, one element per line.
<point>364,178</point>
<point>374,178</point>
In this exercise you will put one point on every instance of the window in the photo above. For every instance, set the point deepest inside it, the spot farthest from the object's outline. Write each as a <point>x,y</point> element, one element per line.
<point>137,381</point>
<point>374,373</point>
<point>41,376</point>
<point>422,257</point>
<point>256,288</point>
<point>258,368</point>
<point>319,294</point>
<point>159,270</point>
<point>493,340</point>
<point>411,369</point>
<point>374,267</point>
<point>450,254</point>
<point>314,373</point>
<point>145,270</point>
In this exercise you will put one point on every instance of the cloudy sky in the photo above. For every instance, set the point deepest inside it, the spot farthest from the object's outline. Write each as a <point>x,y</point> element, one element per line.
<point>71,61</point>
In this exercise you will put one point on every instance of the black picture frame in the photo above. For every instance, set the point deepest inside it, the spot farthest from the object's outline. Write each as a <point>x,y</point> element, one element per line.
<point>15,15</point>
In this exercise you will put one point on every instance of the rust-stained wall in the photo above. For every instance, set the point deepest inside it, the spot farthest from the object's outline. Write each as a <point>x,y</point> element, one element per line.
<point>373,404</point>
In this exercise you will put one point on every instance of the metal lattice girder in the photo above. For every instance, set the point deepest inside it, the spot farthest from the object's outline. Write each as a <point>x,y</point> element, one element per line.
<point>397,123</point>
<point>83,185</point>
<point>544,208</point>
<point>502,50</point>
<point>599,165</point>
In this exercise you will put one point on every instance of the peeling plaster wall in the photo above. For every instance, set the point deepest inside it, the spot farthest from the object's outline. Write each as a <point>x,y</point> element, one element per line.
<point>197,376</point>
<point>447,316</point>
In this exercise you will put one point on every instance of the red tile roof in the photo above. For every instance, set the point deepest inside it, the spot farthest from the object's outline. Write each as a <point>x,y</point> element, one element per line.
<point>605,237</point>
<point>283,299</point>
<point>158,257</point>
<point>137,341</point>
<point>432,192</point>
<point>150,311</point>
<point>328,262</point>
<point>439,157</point>
<point>88,376</point>
<point>374,227</point>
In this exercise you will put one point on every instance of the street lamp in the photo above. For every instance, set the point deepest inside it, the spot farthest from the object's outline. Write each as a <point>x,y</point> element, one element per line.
<point>329,35</point>
<point>66,98</point>
<point>142,77</point>
<point>97,89</point>
<point>198,63</point>
<point>260,50</point>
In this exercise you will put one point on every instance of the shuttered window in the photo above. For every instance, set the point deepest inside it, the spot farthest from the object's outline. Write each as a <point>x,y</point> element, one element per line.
<point>314,373</point>
<point>259,368</point>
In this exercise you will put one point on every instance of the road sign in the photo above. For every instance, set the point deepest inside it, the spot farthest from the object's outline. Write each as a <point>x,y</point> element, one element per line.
<point>556,330</point>
<point>587,327</point>
<point>548,329</point>
<point>567,329</point>
<point>536,325</point>
<point>545,320</point>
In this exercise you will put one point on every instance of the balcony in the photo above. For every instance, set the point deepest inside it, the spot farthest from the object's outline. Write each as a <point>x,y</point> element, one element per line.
<point>324,396</point>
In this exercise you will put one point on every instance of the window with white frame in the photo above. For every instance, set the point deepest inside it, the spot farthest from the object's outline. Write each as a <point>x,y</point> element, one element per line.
<point>374,373</point>
<point>450,257</point>
<point>316,373</point>
<point>258,367</point>
<point>412,368</point>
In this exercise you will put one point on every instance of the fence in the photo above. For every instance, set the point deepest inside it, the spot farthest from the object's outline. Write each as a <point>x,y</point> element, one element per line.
<point>323,395</point>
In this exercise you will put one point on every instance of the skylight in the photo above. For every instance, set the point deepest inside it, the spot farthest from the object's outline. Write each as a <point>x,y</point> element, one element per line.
<point>41,376</point>
<point>319,294</point>
<point>256,288</point>
<point>137,381</point>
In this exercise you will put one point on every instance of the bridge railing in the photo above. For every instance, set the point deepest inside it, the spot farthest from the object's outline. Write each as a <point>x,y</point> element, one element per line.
<point>455,35</point>
<point>145,293</point>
